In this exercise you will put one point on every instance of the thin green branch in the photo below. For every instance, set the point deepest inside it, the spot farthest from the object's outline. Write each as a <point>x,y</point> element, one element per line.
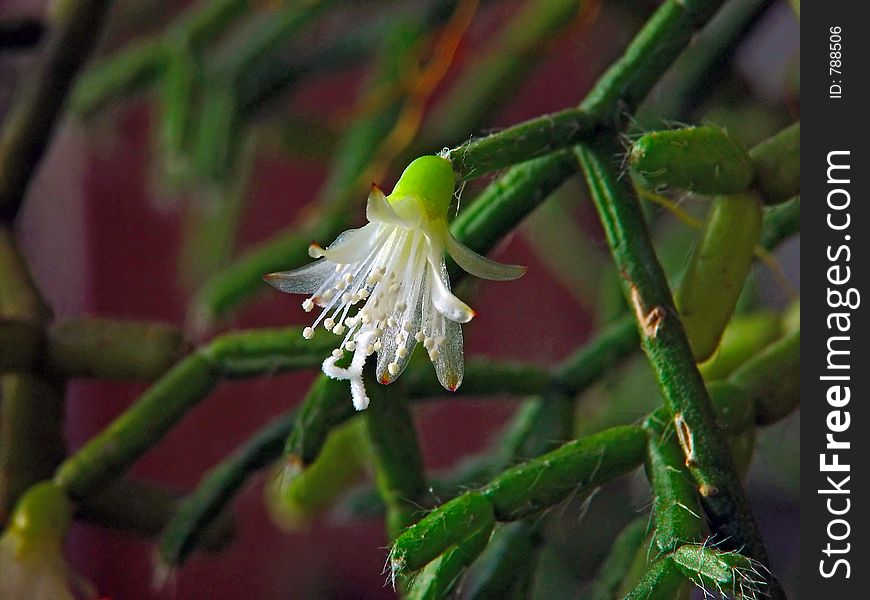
<point>662,581</point>
<point>137,66</point>
<point>186,531</point>
<point>777,165</point>
<point>144,509</point>
<point>676,510</point>
<point>781,222</point>
<point>398,463</point>
<point>113,349</point>
<point>664,341</point>
<point>31,439</point>
<point>615,94</point>
<point>618,562</point>
<point>31,408</point>
<point>27,129</point>
<point>111,452</point>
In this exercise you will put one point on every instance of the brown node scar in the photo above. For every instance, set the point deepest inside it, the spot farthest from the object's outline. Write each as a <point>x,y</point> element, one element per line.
<point>708,490</point>
<point>686,439</point>
<point>650,321</point>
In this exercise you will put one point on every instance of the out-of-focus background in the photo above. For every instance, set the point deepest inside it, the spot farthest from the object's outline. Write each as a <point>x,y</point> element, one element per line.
<point>112,229</point>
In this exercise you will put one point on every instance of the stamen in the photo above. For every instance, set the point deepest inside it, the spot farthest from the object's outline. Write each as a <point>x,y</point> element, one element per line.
<point>393,368</point>
<point>420,336</point>
<point>401,352</point>
<point>308,305</point>
<point>308,333</point>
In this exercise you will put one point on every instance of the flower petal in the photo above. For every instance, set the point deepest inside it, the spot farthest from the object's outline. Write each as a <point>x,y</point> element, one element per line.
<point>446,352</point>
<point>304,280</point>
<point>351,246</point>
<point>481,266</point>
<point>445,302</point>
<point>449,366</point>
<point>378,209</point>
<point>398,342</point>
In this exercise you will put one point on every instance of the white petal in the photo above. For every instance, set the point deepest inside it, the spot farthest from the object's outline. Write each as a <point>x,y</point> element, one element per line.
<point>378,209</point>
<point>393,351</point>
<point>481,266</point>
<point>446,303</point>
<point>351,246</point>
<point>304,280</point>
<point>447,360</point>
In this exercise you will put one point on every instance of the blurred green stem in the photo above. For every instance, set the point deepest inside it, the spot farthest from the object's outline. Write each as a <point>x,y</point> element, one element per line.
<point>28,127</point>
<point>144,509</point>
<point>31,405</point>
<point>191,525</point>
<point>398,463</point>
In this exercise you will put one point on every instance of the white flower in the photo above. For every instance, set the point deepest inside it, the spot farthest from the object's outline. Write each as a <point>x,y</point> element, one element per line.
<point>384,288</point>
<point>32,566</point>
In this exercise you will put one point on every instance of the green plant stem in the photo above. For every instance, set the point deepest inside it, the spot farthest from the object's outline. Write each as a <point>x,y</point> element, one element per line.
<point>662,581</point>
<point>667,348</point>
<point>576,466</point>
<point>772,397</point>
<point>125,74</point>
<point>27,129</point>
<point>676,508</point>
<point>696,74</point>
<point>31,405</point>
<point>781,222</point>
<point>186,531</point>
<point>615,94</point>
<point>507,566</point>
<point>482,377</point>
<point>438,579</point>
<point>625,547</point>
<point>31,440</point>
<point>446,526</point>
<point>398,463</point>
<point>777,165</point>
<point>111,452</point>
<point>113,349</point>
<point>257,352</point>
<point>136,67</point>
<point>144,509</point>
<point>507,201</point>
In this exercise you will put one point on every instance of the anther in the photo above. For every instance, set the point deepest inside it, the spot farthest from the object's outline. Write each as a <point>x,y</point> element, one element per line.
<point>308,333</point>
<point>393,368</point>
<point>308,305</point>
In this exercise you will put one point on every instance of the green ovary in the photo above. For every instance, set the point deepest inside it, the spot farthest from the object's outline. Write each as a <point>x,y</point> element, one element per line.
<point>430,181</point>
